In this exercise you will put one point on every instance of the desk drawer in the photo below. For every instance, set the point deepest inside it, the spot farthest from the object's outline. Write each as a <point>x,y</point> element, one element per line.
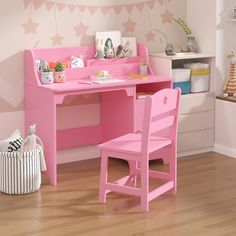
<point>199,102</point>
<point>195,140</point>
<point>196,121</point>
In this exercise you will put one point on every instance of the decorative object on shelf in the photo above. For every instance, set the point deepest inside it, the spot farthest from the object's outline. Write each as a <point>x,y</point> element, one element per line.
<point>120,52</point>
<point>191,41</point>
<point>41,64</point>
<point>143,68</point>
<point>192,44</point>
<point>59,73</point>
<point>230,85</point>
<point>47,76</point>
<point>76,62</point>
<point>99,48</point>
<point>169,49</point>
<point>109,50</point>
<point>129,46</point>
<point>107,43</point>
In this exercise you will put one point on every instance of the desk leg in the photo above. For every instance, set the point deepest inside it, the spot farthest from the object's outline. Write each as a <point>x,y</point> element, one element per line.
<point>40,109</point>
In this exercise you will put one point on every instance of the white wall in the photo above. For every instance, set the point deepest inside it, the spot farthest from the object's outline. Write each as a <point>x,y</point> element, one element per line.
<point>201,16</point>
<point>216,34</point>
<point>225,135</point>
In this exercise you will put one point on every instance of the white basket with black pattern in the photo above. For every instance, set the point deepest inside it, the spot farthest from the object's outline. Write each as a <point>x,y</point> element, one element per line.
<point>20,172</point>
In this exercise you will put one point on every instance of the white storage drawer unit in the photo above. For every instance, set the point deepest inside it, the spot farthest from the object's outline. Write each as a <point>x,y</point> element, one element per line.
<point>197,110</point>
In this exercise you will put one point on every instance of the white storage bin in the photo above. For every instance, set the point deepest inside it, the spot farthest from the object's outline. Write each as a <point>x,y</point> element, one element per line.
<point>196,66</point>
<point>20,173</point>
<point>199,83</point>
<point>181,75</point>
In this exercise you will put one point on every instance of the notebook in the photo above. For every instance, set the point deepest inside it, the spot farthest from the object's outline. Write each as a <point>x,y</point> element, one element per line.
<point>106,80</point>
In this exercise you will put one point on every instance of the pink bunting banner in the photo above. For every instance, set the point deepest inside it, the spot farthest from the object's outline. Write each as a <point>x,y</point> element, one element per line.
<point>105,9</point>
<point>71,8</point>
<point>92,9</point>
<point>60,6</point>
<point>37,4</point>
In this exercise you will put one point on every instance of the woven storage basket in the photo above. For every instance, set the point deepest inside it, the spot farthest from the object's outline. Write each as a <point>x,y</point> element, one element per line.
<point>20,173</point>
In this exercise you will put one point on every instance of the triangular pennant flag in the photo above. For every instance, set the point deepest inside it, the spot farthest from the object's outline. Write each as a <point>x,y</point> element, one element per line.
<point>26,3</point>
<point>140,5</point>
<point>92,9</point>
<point>151,3</point>
<point>161,1</point>
<point>49,5</point>
<point>129,7</point>
<point>117,9</point>
<point>71,7</point>
<point>60,6</point>
<point>104,9</point>
<point>82,8</point>
<point>37,3</point>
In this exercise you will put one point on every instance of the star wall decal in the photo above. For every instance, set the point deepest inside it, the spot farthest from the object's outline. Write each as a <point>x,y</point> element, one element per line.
<point>81,29</point>
<point>166,17</point>
<point>57,39</point>
<point>30,27</point>
<point>150,36</point>
<point>129,26</point>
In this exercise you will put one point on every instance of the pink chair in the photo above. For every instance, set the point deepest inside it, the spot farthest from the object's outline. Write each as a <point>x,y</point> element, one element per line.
<point>161,112</point>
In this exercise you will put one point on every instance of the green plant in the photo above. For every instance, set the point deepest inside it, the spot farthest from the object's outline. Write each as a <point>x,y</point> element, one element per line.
<point>184,26</point>
<point>59,67</point>
<point>47,70</point>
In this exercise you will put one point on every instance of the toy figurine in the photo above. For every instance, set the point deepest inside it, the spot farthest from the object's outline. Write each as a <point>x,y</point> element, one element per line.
<point>120,52</point>
<point>109,50</point>
<point>31,140</point>
<point>230,85</point>
<point>99,51</point>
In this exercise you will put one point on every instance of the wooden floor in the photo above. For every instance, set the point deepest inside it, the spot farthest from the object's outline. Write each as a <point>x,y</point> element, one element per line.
<point>204,205</point>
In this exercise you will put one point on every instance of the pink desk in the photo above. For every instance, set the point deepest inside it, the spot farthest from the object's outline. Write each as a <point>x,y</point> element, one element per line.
<point>120,110</point>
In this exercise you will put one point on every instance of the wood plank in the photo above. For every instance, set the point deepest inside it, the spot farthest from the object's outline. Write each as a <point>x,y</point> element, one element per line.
<point>205,203</point>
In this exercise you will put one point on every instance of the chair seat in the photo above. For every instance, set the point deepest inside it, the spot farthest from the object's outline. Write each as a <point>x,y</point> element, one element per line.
<point>131,143</point>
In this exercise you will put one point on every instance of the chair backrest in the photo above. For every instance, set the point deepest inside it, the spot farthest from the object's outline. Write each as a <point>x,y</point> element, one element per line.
<point>161,112</point>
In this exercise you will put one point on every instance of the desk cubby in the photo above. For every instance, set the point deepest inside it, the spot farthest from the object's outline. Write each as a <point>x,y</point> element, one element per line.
<point>118,103</point>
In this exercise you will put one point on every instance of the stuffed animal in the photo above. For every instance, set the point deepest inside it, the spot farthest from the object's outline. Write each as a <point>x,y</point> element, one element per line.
<point>31,140</point>
<point>230,85</point>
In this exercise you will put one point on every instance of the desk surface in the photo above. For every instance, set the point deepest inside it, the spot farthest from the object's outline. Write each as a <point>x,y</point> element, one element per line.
<point>80,85</point>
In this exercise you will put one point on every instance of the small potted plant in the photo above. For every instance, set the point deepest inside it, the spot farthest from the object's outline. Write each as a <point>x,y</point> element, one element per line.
<point>47,76</point>
<point>59,72</point>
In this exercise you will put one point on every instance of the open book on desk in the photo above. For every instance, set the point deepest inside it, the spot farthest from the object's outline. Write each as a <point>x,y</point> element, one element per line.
<point>105,79</point>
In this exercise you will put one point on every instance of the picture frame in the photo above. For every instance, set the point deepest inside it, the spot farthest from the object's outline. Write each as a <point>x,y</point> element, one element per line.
<point>107,43</point>
<point>129,45</point>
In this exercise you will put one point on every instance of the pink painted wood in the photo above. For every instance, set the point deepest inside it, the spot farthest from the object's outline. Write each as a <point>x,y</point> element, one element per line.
<point>118,100</point>
<point>161,112</point>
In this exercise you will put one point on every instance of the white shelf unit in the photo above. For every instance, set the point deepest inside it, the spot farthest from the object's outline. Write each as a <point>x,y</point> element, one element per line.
<point>197,110</point>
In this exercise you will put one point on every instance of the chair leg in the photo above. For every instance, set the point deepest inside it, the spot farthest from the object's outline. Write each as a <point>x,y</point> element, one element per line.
<point>144,184</point>
<point>132,171</point>
<point>173,166</point>
<point>103,177</point>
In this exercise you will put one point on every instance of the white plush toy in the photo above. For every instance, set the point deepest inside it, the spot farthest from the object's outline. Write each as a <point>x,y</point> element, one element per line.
<point>31,140</point>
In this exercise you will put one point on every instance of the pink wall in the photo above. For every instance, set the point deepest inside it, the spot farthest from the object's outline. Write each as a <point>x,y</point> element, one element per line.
<point>57,23</point>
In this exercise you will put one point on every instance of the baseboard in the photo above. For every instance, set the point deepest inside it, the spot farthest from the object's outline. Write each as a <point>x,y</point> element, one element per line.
<point>197,151</point>
<point>77,154</point>
<point>227,151</point>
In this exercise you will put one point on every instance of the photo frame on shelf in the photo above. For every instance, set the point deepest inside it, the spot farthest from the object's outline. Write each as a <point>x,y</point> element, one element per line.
<point>107,43</point>
<point>129,46</point>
